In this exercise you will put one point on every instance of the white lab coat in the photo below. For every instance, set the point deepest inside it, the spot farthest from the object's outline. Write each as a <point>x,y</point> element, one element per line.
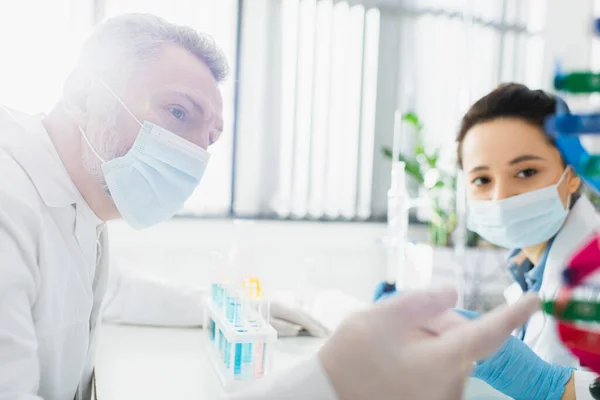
<point>541,334</point>
<point>50,288</point>
<point>54,275</point>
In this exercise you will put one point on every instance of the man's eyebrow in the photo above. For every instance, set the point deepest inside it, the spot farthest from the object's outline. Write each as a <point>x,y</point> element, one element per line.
<point>191,99</point>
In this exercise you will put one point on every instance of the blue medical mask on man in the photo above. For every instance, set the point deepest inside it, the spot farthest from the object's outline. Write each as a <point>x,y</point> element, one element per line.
<point>520,221</point>
<point>152,181</point>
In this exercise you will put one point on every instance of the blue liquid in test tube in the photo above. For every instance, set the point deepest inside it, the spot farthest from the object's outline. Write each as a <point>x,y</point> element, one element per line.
<point>237,312</point>
<point>214,292</point>
<point>220,335</point>
<point>212,330</point>
<point>233,310</point>
<point>221,296</point>
<point>228,309</point>
<point>237,363</point>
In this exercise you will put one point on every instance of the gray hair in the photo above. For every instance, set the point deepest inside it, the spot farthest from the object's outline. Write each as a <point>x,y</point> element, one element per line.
<point>121,44</point>
<point>115,50</point>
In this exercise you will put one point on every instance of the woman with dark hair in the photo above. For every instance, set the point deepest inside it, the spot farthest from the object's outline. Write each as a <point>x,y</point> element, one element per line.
<point>524,197</point>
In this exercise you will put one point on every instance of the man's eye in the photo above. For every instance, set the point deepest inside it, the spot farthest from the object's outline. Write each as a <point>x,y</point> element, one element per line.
<point>178,113</point>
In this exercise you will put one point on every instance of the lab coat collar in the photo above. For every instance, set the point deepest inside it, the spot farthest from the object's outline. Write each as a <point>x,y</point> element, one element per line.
<point>517,270</point>
<point>527,275</point>
<point>582,220</point>
<point>39,158</point>
<point>534,276</point>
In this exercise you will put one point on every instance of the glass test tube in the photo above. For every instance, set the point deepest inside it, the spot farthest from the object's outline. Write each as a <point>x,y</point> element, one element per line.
<point>212,329</point>
<point>227,354</point>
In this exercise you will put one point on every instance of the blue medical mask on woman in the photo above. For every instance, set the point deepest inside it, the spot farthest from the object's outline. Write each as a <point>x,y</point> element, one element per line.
<point>158,174</point>
<point>519,221</point>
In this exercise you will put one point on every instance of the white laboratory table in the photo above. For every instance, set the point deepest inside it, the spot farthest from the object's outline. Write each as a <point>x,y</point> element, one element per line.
<point>165,363</point>
<point>162,363</point>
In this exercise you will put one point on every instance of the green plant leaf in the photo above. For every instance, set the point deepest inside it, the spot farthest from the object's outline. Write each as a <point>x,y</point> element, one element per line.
<point>387,152</point>
<point>420,149</point>
<point>414,169</point>
<point>413,119</point>
<point>411,167</point>
<point>433,158</point>
<point>443,219</point>
<point>439,185</point>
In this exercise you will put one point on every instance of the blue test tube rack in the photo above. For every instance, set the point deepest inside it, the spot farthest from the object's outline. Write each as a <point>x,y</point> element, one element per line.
<point>240,338</point>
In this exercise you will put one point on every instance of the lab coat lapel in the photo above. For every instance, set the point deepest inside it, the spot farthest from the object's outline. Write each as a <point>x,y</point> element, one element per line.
<point>38,157</point>
<point>541,333</point>
<point>86,389</point>
<point>102,271</point>
<point>85,234</point>
<point>580,224</point>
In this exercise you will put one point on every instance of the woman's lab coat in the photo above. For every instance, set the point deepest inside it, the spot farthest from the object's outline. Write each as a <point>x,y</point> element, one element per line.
<point>54,276</point>
<point>541,334</point>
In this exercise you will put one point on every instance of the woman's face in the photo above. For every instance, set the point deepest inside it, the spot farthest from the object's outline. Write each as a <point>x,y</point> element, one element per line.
<point>505,157</point>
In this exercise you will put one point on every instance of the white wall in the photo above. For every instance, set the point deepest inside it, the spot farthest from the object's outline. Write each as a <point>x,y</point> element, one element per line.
<point>567,35</point>
<point>348,256</point>
<point>285,255</point>
<point>569,38</point>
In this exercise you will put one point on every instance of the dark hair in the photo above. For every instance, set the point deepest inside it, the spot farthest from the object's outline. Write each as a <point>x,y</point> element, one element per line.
<point>511,100</point>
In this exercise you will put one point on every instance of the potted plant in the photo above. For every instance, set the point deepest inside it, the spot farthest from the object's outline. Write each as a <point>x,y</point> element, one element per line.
<point>440,185</point>
<point>482,270</point>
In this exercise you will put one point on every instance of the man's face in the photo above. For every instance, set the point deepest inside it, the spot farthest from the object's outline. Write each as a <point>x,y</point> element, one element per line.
<point>175,91</point>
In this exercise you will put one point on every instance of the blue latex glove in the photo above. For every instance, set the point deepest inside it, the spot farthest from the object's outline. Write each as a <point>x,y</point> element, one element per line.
<point>383,290</point>
<point>518,372</point>
<point>515,369</point>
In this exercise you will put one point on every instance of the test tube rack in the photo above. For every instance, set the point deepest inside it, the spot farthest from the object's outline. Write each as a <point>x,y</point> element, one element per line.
<point>240,338</point>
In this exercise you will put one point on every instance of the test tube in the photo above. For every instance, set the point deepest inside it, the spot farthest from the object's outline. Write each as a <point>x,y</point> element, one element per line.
<point>214,292</point>
<point>254,302</point>
<point>234,310</point>
<point>212,329</point>
<point>265,310</point>
<point>227,354</point>
<point>259,360</point>
<point>263,365</point>
<point>220,337</point>
<point>247,359</point>
<point>260,348</point>
<point>221,294</point>
<point>237,362</point>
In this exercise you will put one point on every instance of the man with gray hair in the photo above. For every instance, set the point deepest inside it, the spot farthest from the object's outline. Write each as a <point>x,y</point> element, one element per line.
<point>129,140</point>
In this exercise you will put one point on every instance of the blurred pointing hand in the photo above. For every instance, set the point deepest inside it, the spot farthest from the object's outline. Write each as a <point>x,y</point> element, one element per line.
<point>386,352</point>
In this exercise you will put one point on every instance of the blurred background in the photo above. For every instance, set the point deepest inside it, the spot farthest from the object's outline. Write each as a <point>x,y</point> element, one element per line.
<point>309,113</point>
